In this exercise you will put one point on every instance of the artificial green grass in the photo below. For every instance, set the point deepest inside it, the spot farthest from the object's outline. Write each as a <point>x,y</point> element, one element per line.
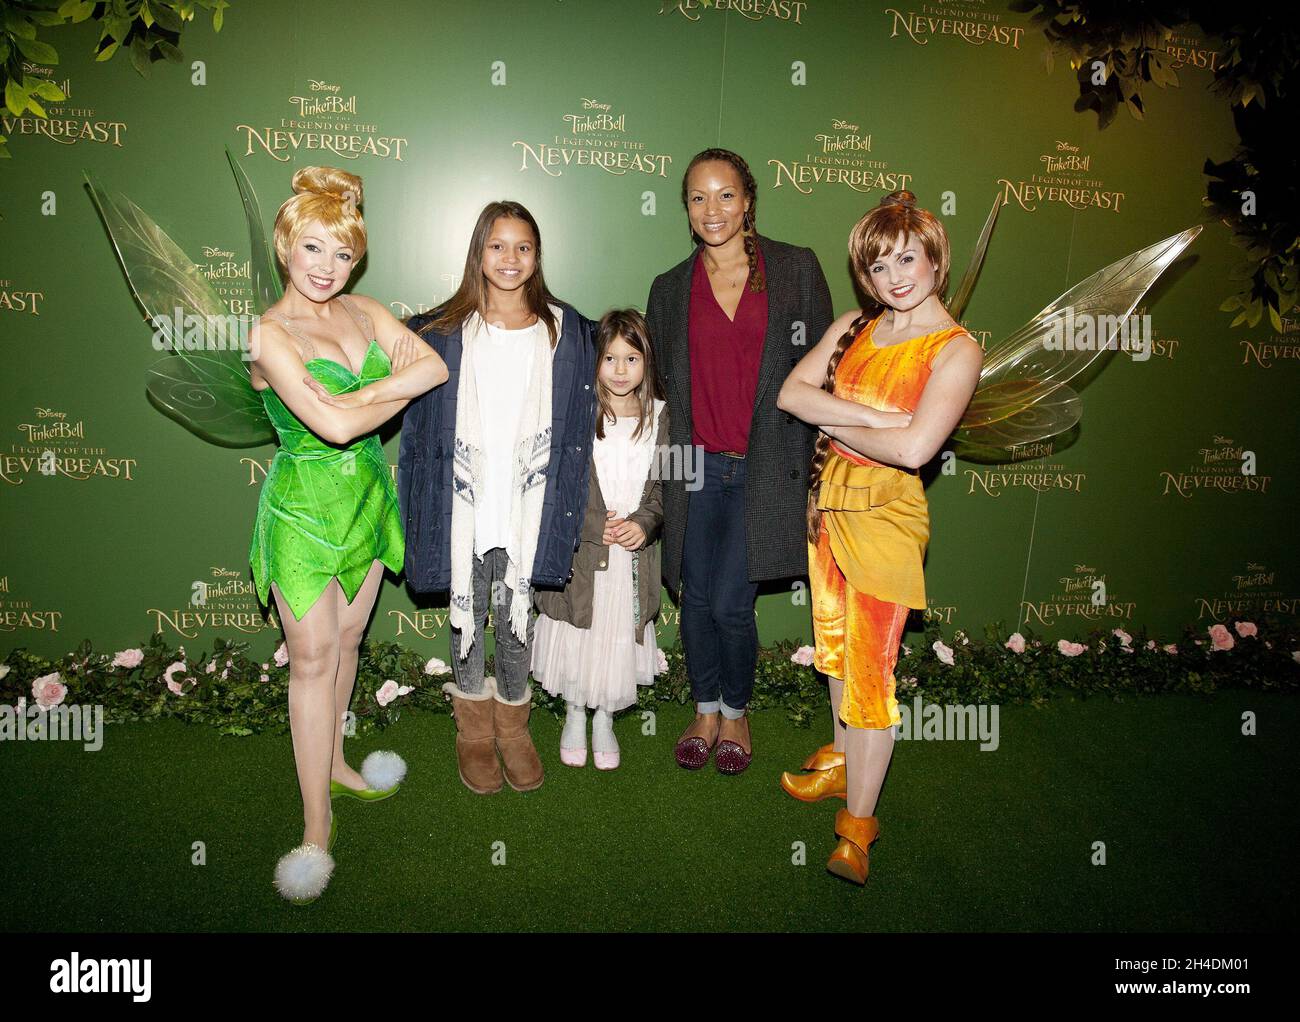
<point>1198,824</point>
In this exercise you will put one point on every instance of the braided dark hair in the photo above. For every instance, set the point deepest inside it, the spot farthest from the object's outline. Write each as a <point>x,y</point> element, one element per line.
<point>747,182</point>
<point>822,448</point>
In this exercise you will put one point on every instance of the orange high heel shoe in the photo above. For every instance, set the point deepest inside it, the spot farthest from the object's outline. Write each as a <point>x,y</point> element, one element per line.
<point>828,779</point>
<point>849,860</point>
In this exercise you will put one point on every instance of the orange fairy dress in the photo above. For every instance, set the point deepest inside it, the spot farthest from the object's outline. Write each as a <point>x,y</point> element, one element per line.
<point>865,570</point>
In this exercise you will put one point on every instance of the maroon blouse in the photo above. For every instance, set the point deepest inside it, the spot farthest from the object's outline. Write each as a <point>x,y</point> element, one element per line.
<point>725,357</point>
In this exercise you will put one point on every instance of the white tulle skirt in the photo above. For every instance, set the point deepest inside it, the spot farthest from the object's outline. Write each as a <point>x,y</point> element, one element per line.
<point>601,666</point>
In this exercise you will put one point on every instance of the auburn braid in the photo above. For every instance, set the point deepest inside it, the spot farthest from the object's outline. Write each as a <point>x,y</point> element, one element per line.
<point>822,448</point>
<point>757,280</point>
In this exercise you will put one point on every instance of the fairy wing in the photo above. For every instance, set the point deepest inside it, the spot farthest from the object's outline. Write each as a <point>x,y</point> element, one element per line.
<point>203,381</point>
<point>957,307</point>
<point>1023,395</point>
<point>267,288</point>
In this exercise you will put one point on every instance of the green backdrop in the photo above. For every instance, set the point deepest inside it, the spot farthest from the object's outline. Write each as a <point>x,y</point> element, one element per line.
<point>588,111</point>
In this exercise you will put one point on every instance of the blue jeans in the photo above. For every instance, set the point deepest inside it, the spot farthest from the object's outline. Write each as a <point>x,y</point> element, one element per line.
<point>719,633</point>
<point>513,658</point>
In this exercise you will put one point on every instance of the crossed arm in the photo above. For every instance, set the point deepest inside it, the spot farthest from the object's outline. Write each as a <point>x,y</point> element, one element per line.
<point>892,438</point>
<point>340,419</point>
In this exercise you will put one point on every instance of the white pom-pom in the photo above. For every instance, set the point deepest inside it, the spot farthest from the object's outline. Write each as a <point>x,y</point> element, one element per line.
<point>303,872</point>
<point>383,770</point>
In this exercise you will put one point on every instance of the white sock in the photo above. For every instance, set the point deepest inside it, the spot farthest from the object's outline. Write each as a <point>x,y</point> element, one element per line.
<point>574,735</point>
<point>602,732</point>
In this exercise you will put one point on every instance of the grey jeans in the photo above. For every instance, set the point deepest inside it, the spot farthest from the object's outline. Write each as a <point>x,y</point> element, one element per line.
<point>513,658</point>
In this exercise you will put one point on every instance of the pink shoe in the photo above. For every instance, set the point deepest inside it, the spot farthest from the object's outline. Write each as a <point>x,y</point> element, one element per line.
<point>575,757</point>
<point>606,760</point>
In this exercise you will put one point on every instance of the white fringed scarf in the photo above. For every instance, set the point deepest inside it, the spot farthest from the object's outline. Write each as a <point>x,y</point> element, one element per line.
<point>527,487</point>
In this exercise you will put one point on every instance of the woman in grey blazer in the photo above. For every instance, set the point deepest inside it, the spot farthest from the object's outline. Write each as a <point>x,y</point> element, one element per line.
<point>728,324</point>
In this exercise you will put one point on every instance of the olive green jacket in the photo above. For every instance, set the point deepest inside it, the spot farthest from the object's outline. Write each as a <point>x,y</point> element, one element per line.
<point>573,602</point>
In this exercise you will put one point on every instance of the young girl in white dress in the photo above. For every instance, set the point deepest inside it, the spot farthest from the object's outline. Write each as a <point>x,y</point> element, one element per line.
<point>595,639</point>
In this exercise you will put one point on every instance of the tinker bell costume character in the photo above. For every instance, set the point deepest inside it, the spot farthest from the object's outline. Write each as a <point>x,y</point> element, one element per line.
<point>888,387</point>
<point>322,371</point>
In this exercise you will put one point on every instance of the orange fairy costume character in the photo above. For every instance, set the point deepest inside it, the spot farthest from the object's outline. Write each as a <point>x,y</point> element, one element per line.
<point>868,519</point>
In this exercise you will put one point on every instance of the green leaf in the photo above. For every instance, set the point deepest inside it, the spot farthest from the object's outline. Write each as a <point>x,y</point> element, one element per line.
<point>15,98</point>
<point>107,51</point>
<point>1275,318</point>
<point>169,51</point>
<point>48,90</point>
<point>118,28</point>
<point>167,19</point>
<point>38,52</point>
<point>218,16</point>
<point>140,55</point>
<point>19,26</point>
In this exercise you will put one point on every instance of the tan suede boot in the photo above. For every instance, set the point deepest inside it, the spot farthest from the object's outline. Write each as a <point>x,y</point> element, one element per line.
<point>523,767</point>
<point>476,753</point>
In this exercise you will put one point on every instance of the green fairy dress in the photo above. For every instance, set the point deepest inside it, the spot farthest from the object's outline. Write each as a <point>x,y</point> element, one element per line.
<point>325,511</point>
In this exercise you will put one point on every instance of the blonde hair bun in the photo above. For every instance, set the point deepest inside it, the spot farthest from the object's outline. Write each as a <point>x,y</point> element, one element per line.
<point>326,194</point>
<point>327,181</point>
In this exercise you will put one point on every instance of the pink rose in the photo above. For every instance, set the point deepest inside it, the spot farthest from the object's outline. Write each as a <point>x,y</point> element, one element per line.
<point>225,673</point>
<point>1171,649</point>
<point>944,653</point>
<point>1123,636</point>
<point>175,686</point>
<point>803,656</point>
<point>281,655</point>
<point>1222,638</point>
<point>128,658</point>
<point>387,692</point>
<point>1016,643</point>
<point>169,675</point>
<point>49,690</point>
<point>264,678</point>
<point>1151,643</point>
<point>211,668</point>
<point>1246,629</point>
<point>661,662</point>
<point>1068,648</point>
<point>404,689</point>
<point>436,666</point>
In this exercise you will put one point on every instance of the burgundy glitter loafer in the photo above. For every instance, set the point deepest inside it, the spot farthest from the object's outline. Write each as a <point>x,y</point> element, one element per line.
<point>693,752</point>
<point>731,758</point>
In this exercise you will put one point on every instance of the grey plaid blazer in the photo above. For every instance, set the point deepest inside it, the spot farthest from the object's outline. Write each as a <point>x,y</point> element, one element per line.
<point>780,446</point>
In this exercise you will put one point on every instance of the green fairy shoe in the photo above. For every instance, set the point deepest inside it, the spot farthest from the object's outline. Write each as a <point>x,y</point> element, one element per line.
<point>383,773</point>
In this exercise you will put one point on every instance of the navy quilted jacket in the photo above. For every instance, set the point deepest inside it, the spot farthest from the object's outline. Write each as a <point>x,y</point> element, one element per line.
<point>424,464</point>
